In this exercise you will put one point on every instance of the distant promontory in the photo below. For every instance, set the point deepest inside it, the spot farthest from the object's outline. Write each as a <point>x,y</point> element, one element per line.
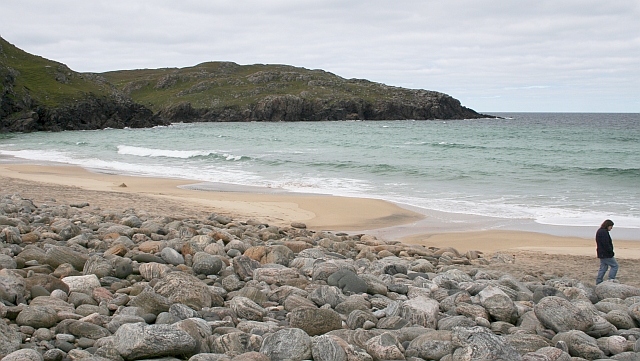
<point>38,94</point>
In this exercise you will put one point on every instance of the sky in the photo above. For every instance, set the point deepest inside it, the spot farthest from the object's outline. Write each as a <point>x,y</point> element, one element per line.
<point>492,55</point>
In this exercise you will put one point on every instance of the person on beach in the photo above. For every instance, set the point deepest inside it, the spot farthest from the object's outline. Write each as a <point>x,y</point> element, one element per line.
<point>604,248</point>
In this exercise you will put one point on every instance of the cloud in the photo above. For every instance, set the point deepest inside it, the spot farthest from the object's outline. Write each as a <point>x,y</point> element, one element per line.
<point>473,50</point>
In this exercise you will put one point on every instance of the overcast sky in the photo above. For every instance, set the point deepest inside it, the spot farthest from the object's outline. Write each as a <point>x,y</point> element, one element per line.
<point>492,55</point>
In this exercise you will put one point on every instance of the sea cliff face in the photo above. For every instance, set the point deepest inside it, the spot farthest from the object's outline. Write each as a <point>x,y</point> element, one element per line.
<point>38,94</point>
<point>224,91</point>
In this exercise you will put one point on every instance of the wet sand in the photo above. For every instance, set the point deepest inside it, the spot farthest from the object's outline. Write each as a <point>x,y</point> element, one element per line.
<point>569,256</point>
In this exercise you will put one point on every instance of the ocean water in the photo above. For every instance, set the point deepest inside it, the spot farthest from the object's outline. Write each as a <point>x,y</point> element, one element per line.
<point>564,170</point>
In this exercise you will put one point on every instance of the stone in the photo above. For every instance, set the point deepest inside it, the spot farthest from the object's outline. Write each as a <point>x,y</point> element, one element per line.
<point>199,330</point>
<point>610,289</point>
<point>140,341</point>
<point>179,287</point>
<point>392,323</point>
<point>324,295</point>
<point>498,304</point>
<point>294,301</point>
<point>448,323</point>
<point>348,281</point>
<point>10,339</point>
<point>232,283</point>
<point>430,346</point>
<point>612,345</point>
<point>375,286</point>
<point>24,355</point>
<point>182,312</point>
<point>561,315</point>
<point>479,343</point>
<point>278,255</point>
<point>57,255</point>
<point>524,343</point>
<point>357,319</point>
<point>385,347</point>
<point>620,319</point>
<point>171,256</point>
<point>288,344</point>
<point>580,344</point>
<point>247,309</point>
<point>277,276</point>
<point>151,302</point>
<point>206,264</point>
<point>98,266</point>
<point>315,321</point>
<point>153,270</point>
<point>244,267</point>
<point>37,316</point>
<point>7,262</point>
<point>326,348</point>
<point>420,311</point>
<point>237,343</point>
<point>87,330</point>
<point>251,356</point>
<point>85,284</point>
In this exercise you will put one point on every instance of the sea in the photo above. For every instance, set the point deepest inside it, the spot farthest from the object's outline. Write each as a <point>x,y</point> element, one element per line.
<point>557,173</point>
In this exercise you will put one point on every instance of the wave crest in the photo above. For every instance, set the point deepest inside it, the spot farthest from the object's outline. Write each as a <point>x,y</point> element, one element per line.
<point>170,153</point>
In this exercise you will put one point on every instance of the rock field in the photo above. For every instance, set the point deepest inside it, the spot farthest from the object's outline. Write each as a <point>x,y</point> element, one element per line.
<point>81,283</point>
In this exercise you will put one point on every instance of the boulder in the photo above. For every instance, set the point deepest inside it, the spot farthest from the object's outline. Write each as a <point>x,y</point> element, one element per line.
<point>288,344</point>
<point>420,311</point>
<point>499,305</point>
<point>237,343</point>
<point>24,355</point>
<point>479,343</point>
<point>140,341</point>
<point>247,309</point>
<point>580,344</point>
<point>385,347</point>
<point>315,321</point>
<point>561,315</point>
<point>348,281</point>
<point>610,289</point>
<point>84,284</point>
<point>180,287</point>
<point>327,348</point>
<point>10,339</point>
<point>37,317</point>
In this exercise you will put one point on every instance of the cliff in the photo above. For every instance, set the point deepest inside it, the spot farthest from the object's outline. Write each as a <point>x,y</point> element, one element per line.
<point>37,94</point>
<point>224,91</point>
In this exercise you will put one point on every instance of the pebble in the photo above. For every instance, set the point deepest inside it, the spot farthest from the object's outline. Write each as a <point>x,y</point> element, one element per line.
<point>78,282</point>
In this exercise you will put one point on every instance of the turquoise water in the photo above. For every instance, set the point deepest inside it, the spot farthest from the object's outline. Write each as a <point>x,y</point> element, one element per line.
<point>551,169</point>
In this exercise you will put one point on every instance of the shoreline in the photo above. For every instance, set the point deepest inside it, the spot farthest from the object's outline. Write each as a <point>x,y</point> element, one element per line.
<point>385,220</point>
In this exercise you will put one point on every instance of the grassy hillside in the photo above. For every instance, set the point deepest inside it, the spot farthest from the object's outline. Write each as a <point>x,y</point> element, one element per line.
<point>40,94</point>
<point>44,81</point>
<point>215,84</point>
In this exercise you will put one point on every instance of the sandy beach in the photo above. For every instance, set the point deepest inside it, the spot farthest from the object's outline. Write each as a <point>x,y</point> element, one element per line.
<point>570,256</point>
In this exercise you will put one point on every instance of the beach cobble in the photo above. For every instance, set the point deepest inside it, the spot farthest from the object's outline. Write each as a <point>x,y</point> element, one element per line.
<point>81,283</point>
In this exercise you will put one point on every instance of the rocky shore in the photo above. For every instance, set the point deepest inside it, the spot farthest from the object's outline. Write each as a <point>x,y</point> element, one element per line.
<point>82,283</point>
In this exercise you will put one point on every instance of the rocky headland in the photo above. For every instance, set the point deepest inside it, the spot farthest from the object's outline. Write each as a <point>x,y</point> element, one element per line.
<point>37,94</point>
<point>82,283</point>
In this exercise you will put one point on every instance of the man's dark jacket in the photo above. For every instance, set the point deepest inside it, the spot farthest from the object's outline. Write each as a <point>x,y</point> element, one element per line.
<point>604,243</point>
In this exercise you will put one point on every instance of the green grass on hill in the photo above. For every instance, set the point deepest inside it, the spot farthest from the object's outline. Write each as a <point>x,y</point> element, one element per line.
<point>47,82</point>
<point>220,84</point>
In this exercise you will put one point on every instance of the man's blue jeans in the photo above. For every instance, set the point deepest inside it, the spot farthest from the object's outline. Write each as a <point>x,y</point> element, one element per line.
<point>605,263</point>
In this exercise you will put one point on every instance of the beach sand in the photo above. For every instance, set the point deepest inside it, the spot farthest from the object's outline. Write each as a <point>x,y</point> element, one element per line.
<point>534,252</point>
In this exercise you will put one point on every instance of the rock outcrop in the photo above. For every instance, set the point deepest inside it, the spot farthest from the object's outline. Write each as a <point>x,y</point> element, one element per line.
<point>55,98</point>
